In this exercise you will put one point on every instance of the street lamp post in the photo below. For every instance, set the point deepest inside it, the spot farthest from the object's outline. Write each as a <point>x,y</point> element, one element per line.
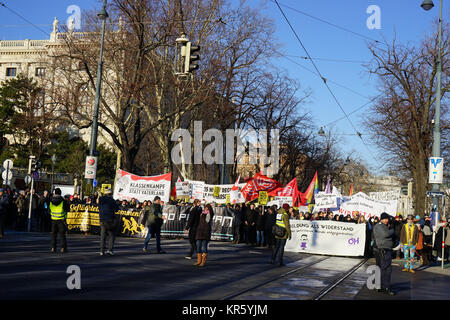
<point>428,5</point>
<point>103,15</point>
<point>53,171</point>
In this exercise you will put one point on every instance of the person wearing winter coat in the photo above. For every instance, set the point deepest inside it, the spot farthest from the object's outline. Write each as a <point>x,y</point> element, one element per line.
<point>269,222</point>
<point>260,224</point>
<point>408,241</point>
<point>282,220</point>
<point>203,235</point>
<point>58,212</point>
<point>192,226</point>
<point>250,217</point>
<point>4,203</point>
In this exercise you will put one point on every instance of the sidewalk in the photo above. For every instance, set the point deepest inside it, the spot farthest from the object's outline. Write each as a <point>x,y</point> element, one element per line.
<point>428,283</point>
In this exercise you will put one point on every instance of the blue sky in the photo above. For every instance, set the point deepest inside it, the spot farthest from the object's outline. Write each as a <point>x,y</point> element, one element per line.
<point>403,18</point>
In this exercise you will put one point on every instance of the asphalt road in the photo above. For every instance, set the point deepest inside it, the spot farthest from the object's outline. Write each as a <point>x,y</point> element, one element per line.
<point>28,270</point>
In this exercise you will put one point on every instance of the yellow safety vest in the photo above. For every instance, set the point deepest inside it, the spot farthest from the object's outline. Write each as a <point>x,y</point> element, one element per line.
<point>280,221</point>
<point>57,212</point>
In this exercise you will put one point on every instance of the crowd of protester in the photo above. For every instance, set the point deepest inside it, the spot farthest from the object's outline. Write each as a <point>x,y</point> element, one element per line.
<point>252,225</point>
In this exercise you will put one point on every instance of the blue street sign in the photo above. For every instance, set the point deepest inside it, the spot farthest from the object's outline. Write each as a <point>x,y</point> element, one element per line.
<point>95,182</point>
<point>435,193</point>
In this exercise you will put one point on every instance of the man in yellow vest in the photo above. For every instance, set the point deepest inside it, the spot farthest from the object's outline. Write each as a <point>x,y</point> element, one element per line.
<point>282,220</point>
<point>58,212</point>
<point>408,240</point>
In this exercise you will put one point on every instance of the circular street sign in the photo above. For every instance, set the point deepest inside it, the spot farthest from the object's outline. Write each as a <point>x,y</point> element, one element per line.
<point>27,180</point>
<point>7,175</point>
<point>8,163</point>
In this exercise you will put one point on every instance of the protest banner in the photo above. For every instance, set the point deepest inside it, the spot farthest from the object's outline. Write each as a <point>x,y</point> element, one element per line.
<point>218,193</point>
<point>142,188</point>
<point>366,206</point>
<point>85,219</point>
<point>327,237</point>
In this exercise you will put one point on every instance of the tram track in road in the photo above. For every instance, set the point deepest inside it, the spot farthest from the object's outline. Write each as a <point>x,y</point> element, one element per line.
<point>278,277</point>
<point>312,281</point>
<point>338,281</point>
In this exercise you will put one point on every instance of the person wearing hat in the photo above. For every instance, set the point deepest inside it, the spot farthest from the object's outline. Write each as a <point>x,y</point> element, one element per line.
<point>4,203</point>
<point>408,240</point>
<point>58,212</point>
<point>383,240</point>
<point>107,208</point>
<point>282,220</point>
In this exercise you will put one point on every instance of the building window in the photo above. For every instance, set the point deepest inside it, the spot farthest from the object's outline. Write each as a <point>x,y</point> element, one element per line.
<point>11,72</point>
<point>40,72</point>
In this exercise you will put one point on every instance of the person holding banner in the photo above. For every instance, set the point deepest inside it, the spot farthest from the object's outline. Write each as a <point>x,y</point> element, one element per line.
<point>192,225</point>
<point>282,220</point>
<point>154,223</point>
<point>203,235</point>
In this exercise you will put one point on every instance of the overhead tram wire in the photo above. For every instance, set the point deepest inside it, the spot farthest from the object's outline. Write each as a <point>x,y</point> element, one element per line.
<point>2,4</point>
<point>317,74</point>
<point>360,35</point>
<point>324,79</point>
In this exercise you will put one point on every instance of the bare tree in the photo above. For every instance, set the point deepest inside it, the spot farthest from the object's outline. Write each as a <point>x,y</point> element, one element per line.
<point>401,120</point>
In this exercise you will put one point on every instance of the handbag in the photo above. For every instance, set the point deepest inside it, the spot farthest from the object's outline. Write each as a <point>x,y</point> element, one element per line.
<point>278,231</point>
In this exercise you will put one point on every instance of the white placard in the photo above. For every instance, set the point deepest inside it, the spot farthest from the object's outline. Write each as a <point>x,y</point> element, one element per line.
<point>327,237</point>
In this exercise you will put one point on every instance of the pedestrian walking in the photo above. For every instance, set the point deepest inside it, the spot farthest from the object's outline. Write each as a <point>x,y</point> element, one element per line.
<point>282,220</point>
<point>107,207</point>
<point>154,223</point>
<point>4,204</point>
<point>408,241</point>
<point>383,237</point>
<point>192,225</point>
<point>58,212</point>
<point>203,235</point>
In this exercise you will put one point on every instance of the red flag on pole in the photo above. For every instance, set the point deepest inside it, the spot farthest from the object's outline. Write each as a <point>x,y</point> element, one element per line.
<point>258,183</point>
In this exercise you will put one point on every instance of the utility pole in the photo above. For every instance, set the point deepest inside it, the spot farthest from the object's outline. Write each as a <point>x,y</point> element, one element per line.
<point>103,15</point>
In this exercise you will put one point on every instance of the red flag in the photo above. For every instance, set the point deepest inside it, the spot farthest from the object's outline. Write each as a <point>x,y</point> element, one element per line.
<point>173,194</point>
<point>258,183</point>
<point>351,190</point>
<point>290,190</point>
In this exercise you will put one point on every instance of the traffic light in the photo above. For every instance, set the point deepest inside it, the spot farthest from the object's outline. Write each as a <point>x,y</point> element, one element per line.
<point>32,164</point>
<point>191,58</point>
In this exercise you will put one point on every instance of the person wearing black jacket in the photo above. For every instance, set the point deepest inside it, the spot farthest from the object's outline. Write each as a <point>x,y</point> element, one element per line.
<point>250,217</point>
<point>192,225</point>
<point>4,203</point>
<point>260,225</point>
<point>271,218</point>
<point>237,224</point>
<point>107,208</point>
<point>58,211</point>
<point>154,223</point>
